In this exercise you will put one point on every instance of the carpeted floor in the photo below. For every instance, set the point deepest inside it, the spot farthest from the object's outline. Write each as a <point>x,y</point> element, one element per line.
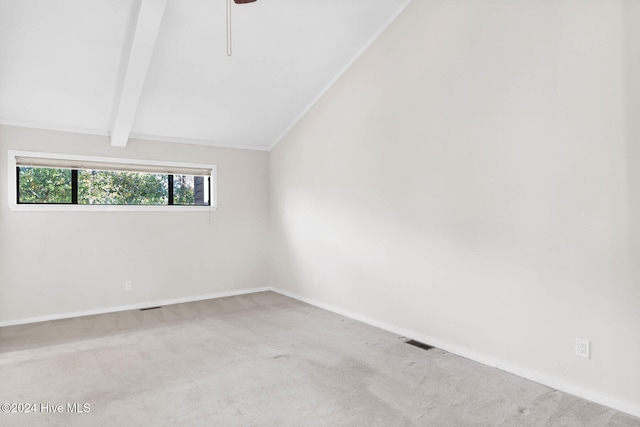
<point>259,360</point>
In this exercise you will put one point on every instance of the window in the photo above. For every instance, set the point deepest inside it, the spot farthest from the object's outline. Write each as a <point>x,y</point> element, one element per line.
<point>53,181</point>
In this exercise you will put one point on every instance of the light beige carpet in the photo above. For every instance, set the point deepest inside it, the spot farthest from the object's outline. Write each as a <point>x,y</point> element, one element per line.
<point>260,360</point>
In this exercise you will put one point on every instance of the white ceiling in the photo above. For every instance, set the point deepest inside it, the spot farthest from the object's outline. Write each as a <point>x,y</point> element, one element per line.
<point>69,65</point>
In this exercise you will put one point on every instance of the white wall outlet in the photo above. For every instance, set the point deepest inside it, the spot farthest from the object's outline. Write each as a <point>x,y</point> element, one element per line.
<point>316,281</point>
<point>583,348</point>
<point>127,285</point>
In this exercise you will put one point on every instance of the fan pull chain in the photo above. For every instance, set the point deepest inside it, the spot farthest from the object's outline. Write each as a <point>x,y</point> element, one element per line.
<point>228,27</point>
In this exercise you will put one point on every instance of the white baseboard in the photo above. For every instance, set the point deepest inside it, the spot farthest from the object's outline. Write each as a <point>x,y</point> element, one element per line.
<point>632,408</point>
<point>135,306</point>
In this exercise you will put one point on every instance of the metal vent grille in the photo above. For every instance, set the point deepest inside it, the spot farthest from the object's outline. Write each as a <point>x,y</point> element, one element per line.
<point>419,344</point>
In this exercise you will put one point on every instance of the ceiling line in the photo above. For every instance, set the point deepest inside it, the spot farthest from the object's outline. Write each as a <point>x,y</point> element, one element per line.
<point>339,74</point>
<point>53,127</point>
<point>133,135</point>
<point>194,141</point>
<point>144,40</point>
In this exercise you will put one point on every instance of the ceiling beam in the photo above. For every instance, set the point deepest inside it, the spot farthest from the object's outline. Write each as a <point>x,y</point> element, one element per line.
<point>144,40</point>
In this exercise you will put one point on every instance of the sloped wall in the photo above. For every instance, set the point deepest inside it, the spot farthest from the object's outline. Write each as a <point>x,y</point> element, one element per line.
<point>468,182</point>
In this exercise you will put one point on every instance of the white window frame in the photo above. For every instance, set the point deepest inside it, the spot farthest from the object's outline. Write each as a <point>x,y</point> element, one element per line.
<point>12,195</point>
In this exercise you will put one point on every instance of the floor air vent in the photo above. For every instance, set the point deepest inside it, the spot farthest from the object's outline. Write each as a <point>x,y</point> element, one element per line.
<point>150,308</point>
<point>419,344</point>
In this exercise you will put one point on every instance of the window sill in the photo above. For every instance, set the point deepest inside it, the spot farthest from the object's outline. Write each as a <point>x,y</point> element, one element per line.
<point>107,208</point>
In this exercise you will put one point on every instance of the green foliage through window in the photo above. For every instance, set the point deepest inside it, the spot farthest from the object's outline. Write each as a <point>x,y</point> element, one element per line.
<point>44,185</point>
<point>121,188</point>
<point>97,187</point>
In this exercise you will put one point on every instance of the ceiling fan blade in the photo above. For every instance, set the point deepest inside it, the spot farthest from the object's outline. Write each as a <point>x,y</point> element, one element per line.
<point>243,1</point>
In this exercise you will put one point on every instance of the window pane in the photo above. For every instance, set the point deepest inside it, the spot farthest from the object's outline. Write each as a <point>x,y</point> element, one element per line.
<point>190,190</point>
<point>121,188</point>
<point>44,185</point>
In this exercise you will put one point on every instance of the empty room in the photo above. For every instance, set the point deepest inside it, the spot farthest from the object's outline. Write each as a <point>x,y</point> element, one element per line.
<point>320,212</point>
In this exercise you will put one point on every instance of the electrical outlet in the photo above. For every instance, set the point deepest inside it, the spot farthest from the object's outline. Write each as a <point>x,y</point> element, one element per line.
<point>127,285</point>
<point>316,281</point>
<point>583,348</point>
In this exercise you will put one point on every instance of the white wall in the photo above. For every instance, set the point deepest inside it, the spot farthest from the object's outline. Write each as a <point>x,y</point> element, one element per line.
<point>56,263</point>
<point>468,181</point>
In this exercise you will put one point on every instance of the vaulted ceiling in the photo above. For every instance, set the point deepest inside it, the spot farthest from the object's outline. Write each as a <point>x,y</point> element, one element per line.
<point>159,69</point>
